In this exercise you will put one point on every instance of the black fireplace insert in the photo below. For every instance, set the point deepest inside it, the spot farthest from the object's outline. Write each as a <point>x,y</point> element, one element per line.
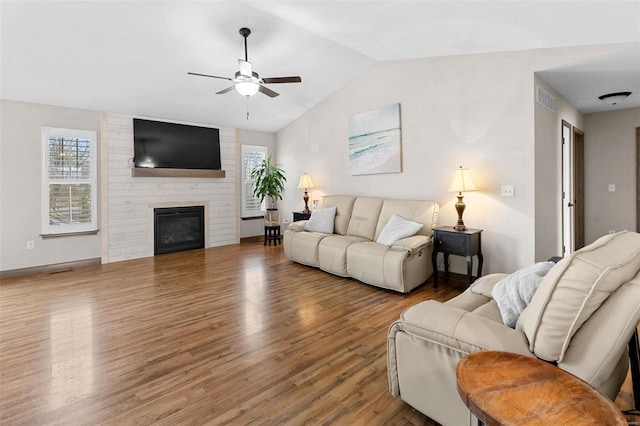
<point>178,229</point>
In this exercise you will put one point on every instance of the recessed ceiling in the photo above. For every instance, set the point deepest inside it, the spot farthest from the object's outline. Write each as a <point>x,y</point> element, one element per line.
<point>133,57</point>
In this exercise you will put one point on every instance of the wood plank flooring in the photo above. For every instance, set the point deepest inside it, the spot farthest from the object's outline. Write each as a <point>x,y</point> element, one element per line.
<point>230,335</point>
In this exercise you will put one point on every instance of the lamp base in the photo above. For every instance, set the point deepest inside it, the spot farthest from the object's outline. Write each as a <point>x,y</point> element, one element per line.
<point>460,226</point>
<point>306,202</point>
<point>460,209</point>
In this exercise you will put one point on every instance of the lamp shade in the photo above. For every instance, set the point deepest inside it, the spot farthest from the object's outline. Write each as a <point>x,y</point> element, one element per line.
<point>305,182</point>
<point>462,181</point>
<point>247,88</point>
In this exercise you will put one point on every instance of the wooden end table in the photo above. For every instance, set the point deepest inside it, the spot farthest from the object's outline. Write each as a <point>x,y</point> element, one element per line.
<point>467,243</point>
<point>503,388</point>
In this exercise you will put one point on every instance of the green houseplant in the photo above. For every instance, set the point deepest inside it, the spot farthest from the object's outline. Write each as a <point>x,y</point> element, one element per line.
<point>269,182</point>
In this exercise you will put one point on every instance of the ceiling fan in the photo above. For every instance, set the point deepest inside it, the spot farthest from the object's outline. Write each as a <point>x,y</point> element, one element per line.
<point>246,81</point>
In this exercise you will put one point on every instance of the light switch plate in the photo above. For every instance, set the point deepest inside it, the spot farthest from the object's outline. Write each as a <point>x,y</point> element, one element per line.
<point>507,191</point>
<point>612,187</point>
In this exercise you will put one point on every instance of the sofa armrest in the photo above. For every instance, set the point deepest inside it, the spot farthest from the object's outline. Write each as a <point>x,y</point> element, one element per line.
<point>460,330</point>
<point>297,226</point>
<point>444,328</point>
<point>412,244</point>
<point>484,285</point>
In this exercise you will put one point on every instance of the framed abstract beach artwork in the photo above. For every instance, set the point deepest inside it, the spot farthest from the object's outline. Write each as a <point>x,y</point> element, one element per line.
<point>375,141</point>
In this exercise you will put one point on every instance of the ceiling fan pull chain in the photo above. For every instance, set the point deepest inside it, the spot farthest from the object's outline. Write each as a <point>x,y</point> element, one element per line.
<point>247,107</point>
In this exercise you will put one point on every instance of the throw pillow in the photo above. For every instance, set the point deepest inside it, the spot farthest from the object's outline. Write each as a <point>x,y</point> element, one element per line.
<point>321,220</point>
<point>396,229</point>
<point>513,293</point>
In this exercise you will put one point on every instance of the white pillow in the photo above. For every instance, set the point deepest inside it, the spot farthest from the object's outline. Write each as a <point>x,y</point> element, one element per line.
<point>396,229</point>
<point>321,220</point>
<point>513,293</point>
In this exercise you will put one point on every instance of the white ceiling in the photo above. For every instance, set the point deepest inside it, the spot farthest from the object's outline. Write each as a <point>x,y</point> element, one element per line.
<point>133,57</point>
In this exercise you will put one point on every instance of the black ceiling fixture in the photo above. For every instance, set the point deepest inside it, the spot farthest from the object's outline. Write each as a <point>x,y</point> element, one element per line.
<point>614,98</point>
<point>246,81</point>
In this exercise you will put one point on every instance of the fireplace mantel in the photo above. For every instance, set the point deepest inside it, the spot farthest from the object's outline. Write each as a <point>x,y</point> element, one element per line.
<point>195,173</point>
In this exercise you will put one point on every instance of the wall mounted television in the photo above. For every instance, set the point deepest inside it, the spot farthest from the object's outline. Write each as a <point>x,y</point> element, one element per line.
<point>162,145</point>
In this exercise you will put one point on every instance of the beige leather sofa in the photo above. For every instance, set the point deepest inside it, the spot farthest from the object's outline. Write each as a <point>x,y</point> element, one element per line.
<point>581,317</point>
<point>351,251</point>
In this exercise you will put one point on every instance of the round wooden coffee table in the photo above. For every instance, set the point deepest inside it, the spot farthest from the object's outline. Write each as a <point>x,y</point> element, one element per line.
<point>503,388</point>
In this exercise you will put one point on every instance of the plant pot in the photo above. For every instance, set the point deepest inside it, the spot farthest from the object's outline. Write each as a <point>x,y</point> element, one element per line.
<point>272,217</point>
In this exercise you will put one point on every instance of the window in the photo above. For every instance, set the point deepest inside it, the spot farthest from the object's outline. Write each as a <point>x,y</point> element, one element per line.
<point>69,181</point>
<point>251,156</point>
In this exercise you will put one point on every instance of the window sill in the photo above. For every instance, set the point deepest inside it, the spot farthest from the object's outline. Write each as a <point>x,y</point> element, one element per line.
<point>68,234</point>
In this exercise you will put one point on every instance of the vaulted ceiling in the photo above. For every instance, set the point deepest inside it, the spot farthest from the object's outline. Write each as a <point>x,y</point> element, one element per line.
<point>133,57</point>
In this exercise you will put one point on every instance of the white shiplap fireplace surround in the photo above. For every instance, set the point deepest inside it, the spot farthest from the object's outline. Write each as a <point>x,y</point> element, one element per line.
<point>128,202</point>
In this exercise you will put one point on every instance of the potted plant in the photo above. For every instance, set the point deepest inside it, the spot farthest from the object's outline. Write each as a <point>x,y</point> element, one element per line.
<point>269,182</point>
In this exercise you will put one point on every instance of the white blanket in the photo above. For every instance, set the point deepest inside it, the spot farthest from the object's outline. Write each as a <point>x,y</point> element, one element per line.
<point>513,293</point>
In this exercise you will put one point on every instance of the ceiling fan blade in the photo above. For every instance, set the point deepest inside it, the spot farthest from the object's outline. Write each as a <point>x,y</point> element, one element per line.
<point>227,90</point>
<point>275,80</point>
<point>245,68</point>
<point>268,91</point>
<point>207,75</point>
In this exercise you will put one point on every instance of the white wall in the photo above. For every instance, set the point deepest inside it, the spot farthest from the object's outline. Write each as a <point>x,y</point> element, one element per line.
<point>476,111</point>
<point>124,228</point>
<point>548,177</point>
<point>21,186</point>
<point>610,158</point>
<point>253,227</point>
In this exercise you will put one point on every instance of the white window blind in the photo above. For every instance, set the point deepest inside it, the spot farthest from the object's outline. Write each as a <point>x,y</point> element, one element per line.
<point>252,155</point>
<point>69,181</point>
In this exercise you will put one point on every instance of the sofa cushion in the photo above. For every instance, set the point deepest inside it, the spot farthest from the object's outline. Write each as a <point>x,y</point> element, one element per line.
<point>321,220</point>
<point>513,293</point>
<point>303,246</point>
<point>575,288</point>
<point>364,217</point>
<point>344,206</point>
<point>332,253</point>
<point>396,229</point>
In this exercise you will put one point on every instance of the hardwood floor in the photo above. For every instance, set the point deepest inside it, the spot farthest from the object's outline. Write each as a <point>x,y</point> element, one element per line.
<point>229,335</point>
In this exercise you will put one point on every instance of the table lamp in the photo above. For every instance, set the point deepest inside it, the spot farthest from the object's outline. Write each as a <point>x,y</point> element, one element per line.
<point>460,183</point>
<point>306,183</point>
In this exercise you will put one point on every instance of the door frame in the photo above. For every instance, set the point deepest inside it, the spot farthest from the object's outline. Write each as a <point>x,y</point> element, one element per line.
<point>572,172</point>
<point>566,197</point>
<point>637,179</point>
<point>578,188</point>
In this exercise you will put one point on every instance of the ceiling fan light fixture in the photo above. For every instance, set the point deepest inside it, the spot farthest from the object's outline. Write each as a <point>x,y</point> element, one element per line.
<point>247,88</point>
<point>614,98</point>
<point>246,81</point>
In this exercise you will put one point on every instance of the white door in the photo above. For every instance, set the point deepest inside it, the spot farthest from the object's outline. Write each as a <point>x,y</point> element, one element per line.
<point>567,190</point>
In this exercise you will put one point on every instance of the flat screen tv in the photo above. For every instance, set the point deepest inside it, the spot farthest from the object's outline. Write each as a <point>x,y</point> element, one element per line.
<point>160,144</point>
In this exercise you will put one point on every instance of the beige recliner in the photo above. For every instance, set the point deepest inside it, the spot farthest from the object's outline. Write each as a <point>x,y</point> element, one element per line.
<point>581,318</point>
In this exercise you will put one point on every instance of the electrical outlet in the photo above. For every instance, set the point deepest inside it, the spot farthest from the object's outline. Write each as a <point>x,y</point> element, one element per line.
<point>31,245</point>
<point>612,187</point>
<point>507,191</point>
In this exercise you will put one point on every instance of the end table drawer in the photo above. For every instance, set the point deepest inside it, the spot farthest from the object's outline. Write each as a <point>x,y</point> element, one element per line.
<point>452,244</point>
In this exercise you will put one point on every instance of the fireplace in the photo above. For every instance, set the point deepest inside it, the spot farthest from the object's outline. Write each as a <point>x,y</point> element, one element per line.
<point>178,229</point>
